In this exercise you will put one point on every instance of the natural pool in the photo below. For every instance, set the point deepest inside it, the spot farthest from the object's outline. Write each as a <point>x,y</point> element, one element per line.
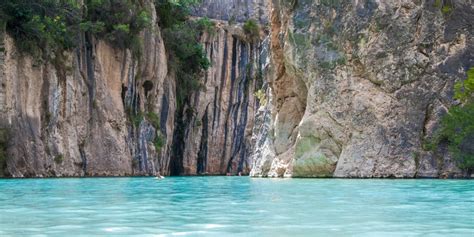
<point>236,206</point>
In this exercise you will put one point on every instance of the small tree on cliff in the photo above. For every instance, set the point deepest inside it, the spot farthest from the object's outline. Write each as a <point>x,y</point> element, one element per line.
<point>457,126</point>
<point>182,40</point>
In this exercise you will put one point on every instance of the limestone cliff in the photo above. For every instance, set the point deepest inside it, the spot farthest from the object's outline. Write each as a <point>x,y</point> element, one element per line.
<point>359,86</point>
<point>73,118</point>
<point>100,111</point>
<point>217,136</point>
<point>329,88</point>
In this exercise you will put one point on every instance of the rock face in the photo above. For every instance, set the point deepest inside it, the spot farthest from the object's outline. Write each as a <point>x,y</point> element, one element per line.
<point>95,113</point>
<point>358,86</point>
<point>73,119</point>
<point>337,89</point>
<point>234,11</point>
<point>218,131</point>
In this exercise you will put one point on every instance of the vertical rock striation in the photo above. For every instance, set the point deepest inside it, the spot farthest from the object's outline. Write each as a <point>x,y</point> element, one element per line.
<point>74,118</point>
<point>99,111</point>
<point>337,89</point>
<point>220,117</point>
<point>359,86</point>
<point>215,133</point>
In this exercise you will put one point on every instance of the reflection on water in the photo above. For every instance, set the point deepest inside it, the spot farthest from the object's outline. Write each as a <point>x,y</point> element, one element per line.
<point>237,206</point>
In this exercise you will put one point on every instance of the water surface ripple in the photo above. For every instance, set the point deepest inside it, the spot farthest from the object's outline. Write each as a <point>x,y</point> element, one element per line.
<point>235,206</point>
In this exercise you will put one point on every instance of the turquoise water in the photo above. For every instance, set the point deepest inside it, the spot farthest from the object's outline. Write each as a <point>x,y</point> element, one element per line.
<point>236,206</point>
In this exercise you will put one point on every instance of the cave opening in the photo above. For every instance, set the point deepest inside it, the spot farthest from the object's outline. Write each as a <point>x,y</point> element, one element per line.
<point>147,86</point>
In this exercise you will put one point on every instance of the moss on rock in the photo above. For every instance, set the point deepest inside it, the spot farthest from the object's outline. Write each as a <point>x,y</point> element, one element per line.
<point>310,162</point>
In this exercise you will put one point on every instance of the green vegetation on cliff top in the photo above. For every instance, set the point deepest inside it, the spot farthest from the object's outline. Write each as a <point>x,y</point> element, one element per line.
<point>46,27</point>
<point>182,40</point>
<point>41,25</point>
<point>117,21</point>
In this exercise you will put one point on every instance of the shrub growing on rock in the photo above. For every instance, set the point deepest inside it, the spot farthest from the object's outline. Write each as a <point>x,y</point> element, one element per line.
<point>154,119</point>
<point>52,26</point>
<point>37,26</point>
<point>252,29</point>
<point>159,141</point>
<point>59,159</point>
<point>181,36</point>
<point>118,21</point>
<point>457,127</point>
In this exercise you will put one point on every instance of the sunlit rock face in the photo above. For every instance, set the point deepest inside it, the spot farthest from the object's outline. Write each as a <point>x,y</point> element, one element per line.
<point>359,86</point>
<point>336,89</point>
<point>74,119</point>
<point>89,116</point>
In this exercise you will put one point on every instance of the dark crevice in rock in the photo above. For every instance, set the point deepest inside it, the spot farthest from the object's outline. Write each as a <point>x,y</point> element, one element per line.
<point>83,158</point>
<point>123,93</point>
<point>231,97</point>
<point>214,113</point>
<point>90,62</point>
<point>164,113</point>
<point>178,145</point>
<point>202,154</point>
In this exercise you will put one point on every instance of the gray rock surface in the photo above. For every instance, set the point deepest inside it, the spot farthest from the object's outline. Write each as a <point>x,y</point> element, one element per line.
<point>72,120</point>
<point>350,89</point>
<point>234,10</point>
<point>89,117</point>
<point>358,86</point>
<point>218,133</point>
